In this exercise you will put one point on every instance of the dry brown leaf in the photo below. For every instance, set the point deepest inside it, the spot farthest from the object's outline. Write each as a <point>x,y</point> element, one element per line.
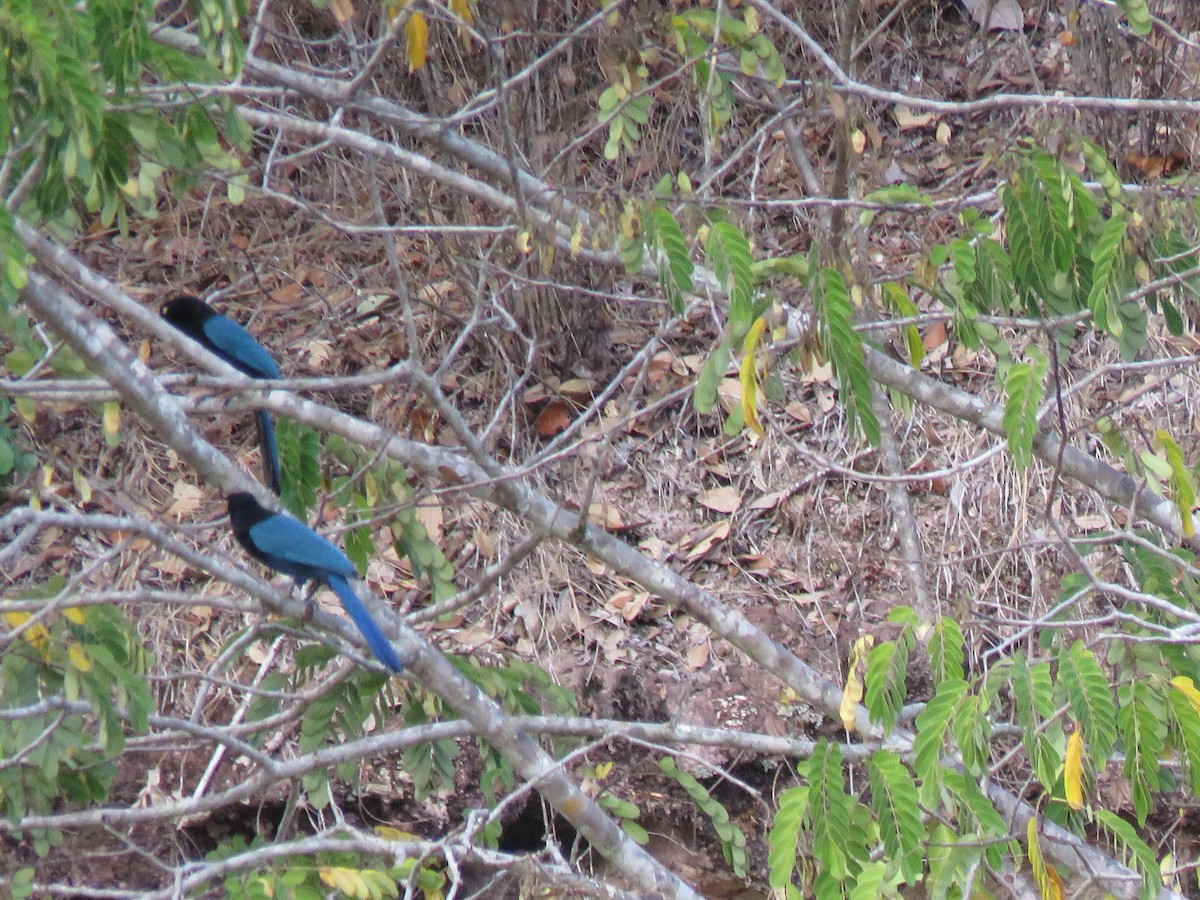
<point>935,336</point>
<point>729,393</point>
<point>697,655</point>
<point>578,388</point>
<point>907,119</point>
<point>708,537</point>
<point>430,514</point>
<point>554,418</point>
<point>726,499</point>
<point>288,293</point>
<point>768,501</point>
<point>800,412</point>
<point>1006,15</point>
<point>319,353</point>
<point>187,499</point>
<point>606,516</point>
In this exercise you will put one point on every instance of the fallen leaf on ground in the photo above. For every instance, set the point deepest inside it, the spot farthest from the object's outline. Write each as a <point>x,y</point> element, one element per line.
<point>726,499</point>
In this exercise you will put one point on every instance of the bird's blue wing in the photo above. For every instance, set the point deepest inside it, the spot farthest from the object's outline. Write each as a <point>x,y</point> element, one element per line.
<point>240,349</point>
<point>361,616</point>
<point>297,550</point>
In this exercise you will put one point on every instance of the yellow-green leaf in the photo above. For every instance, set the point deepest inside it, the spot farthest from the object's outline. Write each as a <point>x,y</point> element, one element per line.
<point>111,419</point>
<point>416,36</point>
<point>1073,770</point>
<point>79,658</point>
<point>1184,685</point>
<point>749,375</point>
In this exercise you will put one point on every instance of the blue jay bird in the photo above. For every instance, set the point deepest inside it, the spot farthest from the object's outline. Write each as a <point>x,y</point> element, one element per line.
<point>233,343</point>
<point>288,546</point>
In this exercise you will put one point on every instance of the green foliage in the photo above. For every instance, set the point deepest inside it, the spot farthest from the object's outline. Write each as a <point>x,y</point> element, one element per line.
<point>14,459</point>
<point>894,801</point>
<point>728,255</point>
<point>335,716</point>
<point>1138,12</point>
<point>785,833</point>
<point>835,314</point>
<point>1142,720</point>
<point>933,730</point>
<point>1135,850</point>
<point>674,265</point>
<point>833,819</point>
<point>733,839</point>
<point>67,654</point>
<point>300,464</point>
<point>946,650</point>
<point>385,491</point>
<point>20,885</point>
<point>625,110</point>
<point>711,373</point>
<point>66,64</point>
<point>887,668</point>
<point>1083,684</point>
<point>328,874</point>
<point>625,812</point>
<point>698,32</point>
<point>1025,388</point>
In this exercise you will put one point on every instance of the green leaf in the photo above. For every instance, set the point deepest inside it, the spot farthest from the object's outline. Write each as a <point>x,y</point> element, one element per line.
<point>1126,838</point>
<point>976,813</point>
<point>675,266</point>
<point>711,373</point>
<point>897,810</point>
<point>946,650</point>
<point>781,843</point>
<point>1082,680</point>
<point>1025,386</point>
<point>835,313</point>
<point>1102,297</point>
<point>829,811</point>
<point>887,667</point>
<point>1138,12</point>
<point>933,727</point>
<point>1141,717</point>
<point>728,255</point>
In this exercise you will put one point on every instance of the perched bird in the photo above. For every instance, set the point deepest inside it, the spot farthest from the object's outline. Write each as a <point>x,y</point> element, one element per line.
<point>288,546</point>
<point>233,343</point>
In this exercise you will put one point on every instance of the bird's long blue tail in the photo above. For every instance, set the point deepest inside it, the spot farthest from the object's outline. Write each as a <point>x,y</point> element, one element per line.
<point>269,452</point>
<point>380,645</point>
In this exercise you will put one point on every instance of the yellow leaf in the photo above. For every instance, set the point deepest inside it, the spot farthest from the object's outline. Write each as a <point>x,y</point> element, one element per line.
<point>343,10</point>
<point>388,833</point>
<point>852,693</point>
<point>1073,770</point>
<point>603,770</point>
<point>462,9</point>
<point>75,615</point>
<point>1184,685</point>
<point>524,242</point>
<point>111,419</point>
<point>348,881</point>
<point>82,486</point>
<point>37,635</point>
<point>416,36</point>
<point>79,658</point>
<point>749,375</point>
<point>1048,882</point>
